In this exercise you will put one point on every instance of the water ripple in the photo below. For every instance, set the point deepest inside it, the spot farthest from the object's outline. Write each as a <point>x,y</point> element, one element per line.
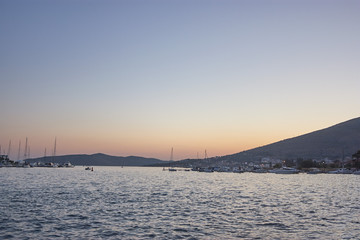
<point>147,203</point>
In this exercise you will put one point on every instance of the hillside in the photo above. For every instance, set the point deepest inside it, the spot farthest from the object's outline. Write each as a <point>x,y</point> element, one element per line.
<point>329,142</point>
<point>98,159</point>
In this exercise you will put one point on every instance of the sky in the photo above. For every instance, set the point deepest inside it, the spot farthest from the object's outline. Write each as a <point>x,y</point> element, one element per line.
<point>140,77</point>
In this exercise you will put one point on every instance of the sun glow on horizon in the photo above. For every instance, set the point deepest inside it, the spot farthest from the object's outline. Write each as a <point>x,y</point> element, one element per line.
<point>139,78</point>
<point>158,144</point>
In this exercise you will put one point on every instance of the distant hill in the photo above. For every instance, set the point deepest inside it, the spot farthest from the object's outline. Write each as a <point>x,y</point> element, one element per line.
<point>98,159</point>
<point>330,142</point>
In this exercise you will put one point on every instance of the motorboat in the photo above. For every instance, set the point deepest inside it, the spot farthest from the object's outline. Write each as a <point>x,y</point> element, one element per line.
<point>314,171</point>
<point>68,165</point>
<point>260,170</point>
<point>341,171</point>
<point>208,170</point>
<point>237,170</point>
<point>285,170</point>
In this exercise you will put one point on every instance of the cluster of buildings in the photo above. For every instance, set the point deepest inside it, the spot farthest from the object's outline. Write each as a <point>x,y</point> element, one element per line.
<point>267,164</point>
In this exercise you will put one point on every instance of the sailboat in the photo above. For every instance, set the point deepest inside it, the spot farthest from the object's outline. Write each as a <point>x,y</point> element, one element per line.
<point>207,169</point>
<point>171,169</point>
<point>341,170</point>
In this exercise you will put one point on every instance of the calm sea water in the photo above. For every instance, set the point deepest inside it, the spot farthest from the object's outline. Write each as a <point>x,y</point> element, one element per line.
<point>148,203</point>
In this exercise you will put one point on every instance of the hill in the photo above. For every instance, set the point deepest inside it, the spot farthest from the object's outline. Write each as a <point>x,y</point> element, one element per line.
<point>98,159</point>
<point>330,142</point>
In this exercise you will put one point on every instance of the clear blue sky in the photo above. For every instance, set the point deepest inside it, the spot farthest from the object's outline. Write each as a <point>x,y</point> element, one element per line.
<point>139,77</point>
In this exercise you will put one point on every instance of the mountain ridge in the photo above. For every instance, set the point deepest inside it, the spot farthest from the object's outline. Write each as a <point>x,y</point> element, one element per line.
<point>98,159</point>
<point>334,142</point>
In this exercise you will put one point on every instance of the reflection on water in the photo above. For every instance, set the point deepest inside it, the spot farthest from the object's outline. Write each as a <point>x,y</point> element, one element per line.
<point>138,203</point>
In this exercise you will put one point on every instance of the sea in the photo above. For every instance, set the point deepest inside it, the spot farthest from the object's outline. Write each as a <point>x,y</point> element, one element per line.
<point>149,203</point>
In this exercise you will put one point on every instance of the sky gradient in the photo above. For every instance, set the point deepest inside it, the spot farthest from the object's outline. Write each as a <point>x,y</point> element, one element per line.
<point>140,77</point>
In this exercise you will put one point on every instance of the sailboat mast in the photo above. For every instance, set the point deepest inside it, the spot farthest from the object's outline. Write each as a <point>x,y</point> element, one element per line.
<point>25,152</point>
<point>54,153</point>
<point>171,157</point>
<point>8,153</point>
<point>18,158</point>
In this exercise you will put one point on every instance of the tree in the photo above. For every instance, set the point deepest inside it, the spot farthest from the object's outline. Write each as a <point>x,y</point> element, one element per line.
<point>307,164</point>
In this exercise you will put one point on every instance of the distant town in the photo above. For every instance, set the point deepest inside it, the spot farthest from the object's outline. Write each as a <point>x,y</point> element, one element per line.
<point>268,164</point>
<point>347,165</point>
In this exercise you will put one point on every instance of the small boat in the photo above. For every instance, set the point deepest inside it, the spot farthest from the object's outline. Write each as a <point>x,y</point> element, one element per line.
<point>285,170</point>
<point>88,168</point>
<point>341,171</point>
<point>68,165</point>
<point>314,171</point>
<point>237,170</point>
<point>357,172</point>
<point>26,166</point>
<point>207,170</point>
<point>172,170</point>
<point>260,170</point>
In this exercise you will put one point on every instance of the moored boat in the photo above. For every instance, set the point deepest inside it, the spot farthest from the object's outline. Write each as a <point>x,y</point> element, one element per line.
<point>68,165</point>
<point>285,170</point>
<point>314,171</point>
<point>208,170</point>
<point>341,171</point>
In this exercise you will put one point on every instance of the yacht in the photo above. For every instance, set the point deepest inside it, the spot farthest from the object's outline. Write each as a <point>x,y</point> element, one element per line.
<point>314,171</point>
<point>208,170</point>
<point>341,171</point>
<point>68,165</point>
<point>285,170</point>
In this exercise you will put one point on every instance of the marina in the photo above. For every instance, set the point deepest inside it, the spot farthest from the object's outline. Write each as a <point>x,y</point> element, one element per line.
<point>6,162</point>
